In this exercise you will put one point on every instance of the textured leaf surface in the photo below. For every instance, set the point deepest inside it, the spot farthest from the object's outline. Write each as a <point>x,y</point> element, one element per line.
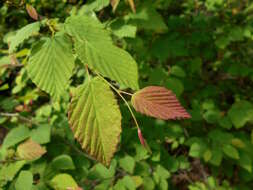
<point>51,63</point>
<point>30,150</point>
<point>158,102</point>
<point>95,119</point>
<point>94,47</point>
<point>23,34</point>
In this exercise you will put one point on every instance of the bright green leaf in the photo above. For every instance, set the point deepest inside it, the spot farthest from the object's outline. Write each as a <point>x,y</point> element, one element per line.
<point>94,47</point>
<point>23,34</point>
<point>127,163</point>
<point>51,63</point>
<point>24,181</point>
<point>15,136</point>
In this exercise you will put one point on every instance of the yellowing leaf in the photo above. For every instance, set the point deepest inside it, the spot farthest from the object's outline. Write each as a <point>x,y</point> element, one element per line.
<point>51,63</point>
<point>30,150</point>
<point>95,119</point>
<point>158,102</point>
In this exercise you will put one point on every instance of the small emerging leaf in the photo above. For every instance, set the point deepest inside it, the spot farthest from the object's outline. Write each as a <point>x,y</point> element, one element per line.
<point>32,12</point>
<point>30,150</point>
<point>158,102</point>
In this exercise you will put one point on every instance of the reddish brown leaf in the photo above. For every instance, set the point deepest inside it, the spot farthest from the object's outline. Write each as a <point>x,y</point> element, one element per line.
<point>158,102</point>
<point>32,12</point>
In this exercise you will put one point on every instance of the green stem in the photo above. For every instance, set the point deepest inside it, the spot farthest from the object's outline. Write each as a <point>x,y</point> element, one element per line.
<point>118,92</point>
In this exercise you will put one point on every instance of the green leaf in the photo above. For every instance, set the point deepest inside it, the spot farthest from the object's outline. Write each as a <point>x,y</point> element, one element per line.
<point>230,151</point>
<point>15,136</point>
<point>240,113</point>
<point>99,171</point>
<point>41,134</point>
<point>24,181</point>
<point>63,162</point>
<point>63,182</point>
<point>197,149</point>
<point>23,34</point>
<point>8,171</point>
<point>162,172</point>
<point>126,183</point>
<point>30,150</point>
<point>148,183</point>
<point>148,18</point>
<point>96,5</point>
<point>127,163</point>
<point>245,162</point>
<point>95,119</point>
<point>177,71</point>
<point>120,29</point>
<point>51,63</point>
<point>94,47</point>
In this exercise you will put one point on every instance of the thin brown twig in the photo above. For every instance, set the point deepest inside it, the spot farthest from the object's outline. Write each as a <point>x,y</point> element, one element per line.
<point>30,121</point>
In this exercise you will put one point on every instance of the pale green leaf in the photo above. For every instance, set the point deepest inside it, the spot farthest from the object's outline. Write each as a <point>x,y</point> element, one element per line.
<point>94,47</point>
<point>8,171</point>
<point>15,136</point>
<point>24,181</point>
<point>63,182</point>
<point>51,63</point>
<point>41,134</point>
<point>23,34</point>
<point>240,113</point>
<point>127,163</point>
<point>95,119</point>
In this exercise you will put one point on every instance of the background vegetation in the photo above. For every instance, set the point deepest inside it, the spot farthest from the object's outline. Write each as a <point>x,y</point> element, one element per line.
<point>200,49</point>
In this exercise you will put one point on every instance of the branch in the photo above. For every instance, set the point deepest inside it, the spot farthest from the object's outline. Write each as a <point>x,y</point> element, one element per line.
<point>30,121</point>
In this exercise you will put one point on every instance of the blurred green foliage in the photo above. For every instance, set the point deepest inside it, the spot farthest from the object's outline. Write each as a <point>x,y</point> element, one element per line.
<point>200,49</point>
